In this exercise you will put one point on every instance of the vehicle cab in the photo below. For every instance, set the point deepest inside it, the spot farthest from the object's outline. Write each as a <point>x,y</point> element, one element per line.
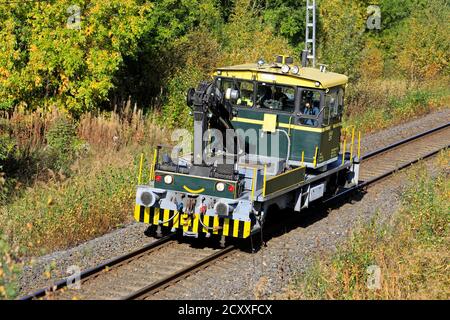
<point>301,107</point>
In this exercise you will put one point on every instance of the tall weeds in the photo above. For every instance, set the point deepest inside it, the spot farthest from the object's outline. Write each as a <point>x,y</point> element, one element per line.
<point>84,175</point>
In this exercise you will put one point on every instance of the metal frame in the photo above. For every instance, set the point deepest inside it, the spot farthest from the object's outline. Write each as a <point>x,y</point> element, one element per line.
<point>310,37</point>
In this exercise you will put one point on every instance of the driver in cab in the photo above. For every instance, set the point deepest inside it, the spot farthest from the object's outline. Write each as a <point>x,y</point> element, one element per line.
<point>310,110</point>
<point>271,100</point>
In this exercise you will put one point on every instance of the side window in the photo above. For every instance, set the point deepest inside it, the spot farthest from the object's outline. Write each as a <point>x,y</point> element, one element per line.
<point>331,103</point>
<point>246,94</point>
<point>245,90</point>
<point>341,101</point>
<point>334,103</point>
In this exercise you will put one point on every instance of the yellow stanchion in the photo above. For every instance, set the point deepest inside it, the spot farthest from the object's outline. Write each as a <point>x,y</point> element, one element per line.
<point>353,142</point>
<point>303,158</point>
<point>153,167</point>
<point>264,182</point>
<point>343,151</point>
<point>315,157</point>
<point>140,169</point>
<point>253,184</point>
<point>359,145</point>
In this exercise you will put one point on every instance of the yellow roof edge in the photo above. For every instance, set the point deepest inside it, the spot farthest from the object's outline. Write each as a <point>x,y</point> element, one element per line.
<point>326,79</point>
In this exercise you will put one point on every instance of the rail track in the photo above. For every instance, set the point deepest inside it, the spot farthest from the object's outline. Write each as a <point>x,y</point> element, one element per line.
<point>165,262</point>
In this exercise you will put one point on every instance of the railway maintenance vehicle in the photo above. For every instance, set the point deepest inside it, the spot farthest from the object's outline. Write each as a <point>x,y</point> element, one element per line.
<point>266,137</point>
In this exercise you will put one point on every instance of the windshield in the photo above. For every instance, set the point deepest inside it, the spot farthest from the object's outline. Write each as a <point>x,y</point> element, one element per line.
<point>275,97</point>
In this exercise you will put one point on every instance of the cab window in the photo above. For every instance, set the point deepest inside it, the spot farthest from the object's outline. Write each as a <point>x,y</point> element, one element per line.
<point>275,97</point>
<point>245,90</point>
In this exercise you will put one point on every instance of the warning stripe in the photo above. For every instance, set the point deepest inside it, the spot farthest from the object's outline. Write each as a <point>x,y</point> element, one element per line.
<point>220,226</point>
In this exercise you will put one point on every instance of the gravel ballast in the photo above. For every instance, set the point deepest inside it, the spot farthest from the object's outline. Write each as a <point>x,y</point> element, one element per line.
<point>244,275</point>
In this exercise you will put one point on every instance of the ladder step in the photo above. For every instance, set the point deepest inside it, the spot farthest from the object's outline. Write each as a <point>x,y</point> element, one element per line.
<point>309,40</point>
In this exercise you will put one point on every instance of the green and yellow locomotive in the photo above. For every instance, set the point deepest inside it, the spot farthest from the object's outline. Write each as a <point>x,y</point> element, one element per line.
<point>265,135</point>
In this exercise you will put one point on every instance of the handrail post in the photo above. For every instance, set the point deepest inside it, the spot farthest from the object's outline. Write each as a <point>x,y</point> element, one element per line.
<point>254,184</point>
<point>353,141</point>
<point>343,151</point>
<point>265,179</point>
<point>359,145</point>
<point>315,157</point>
<point>140,169</point>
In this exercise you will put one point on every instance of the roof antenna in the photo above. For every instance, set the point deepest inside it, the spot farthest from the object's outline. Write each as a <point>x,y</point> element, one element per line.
<point>310,37</point>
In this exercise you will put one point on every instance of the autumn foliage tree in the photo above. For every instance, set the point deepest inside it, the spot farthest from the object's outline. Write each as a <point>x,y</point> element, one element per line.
<point>46,58</point>
<point>424,44</point>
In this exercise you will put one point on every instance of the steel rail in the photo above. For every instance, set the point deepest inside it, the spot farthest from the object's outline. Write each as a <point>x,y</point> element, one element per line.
<point>115,262</point>
<point>404,141</point>
<point>176,276</point>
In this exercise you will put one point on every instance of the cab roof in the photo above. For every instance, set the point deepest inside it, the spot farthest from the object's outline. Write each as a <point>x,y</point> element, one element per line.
<point>306,77</point>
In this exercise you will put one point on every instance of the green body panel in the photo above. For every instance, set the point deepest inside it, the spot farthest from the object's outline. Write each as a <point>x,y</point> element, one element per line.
<point>330,143</point>
<point>180,181</point>
<point>285,180</point>
<point>302,139</point>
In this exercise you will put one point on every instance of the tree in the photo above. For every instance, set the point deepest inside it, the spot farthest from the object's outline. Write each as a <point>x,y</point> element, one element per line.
<point>423,44</point>
<point>48,59</point>
<point>341,35</point>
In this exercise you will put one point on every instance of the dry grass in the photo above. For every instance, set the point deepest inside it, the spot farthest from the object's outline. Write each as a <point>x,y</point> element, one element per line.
<point>58,210</point>
<point>376,104</point>
<point>115,130</point>
<point>411,251</point>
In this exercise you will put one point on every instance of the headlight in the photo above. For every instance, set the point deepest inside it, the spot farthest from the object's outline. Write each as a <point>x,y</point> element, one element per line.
<point>220,186</point>
<point>148,198</point>
<point>295,70</point>
<point>168,179</point>
<point>285,68</point>
<point>222,209</point>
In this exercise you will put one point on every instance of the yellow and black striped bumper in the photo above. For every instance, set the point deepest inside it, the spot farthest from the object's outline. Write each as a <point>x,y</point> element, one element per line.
<point>191,223</point>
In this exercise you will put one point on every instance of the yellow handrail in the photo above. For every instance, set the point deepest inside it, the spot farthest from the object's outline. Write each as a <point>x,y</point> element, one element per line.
<point>353,142</point>
<point>303,158</point>
<point>315,157</point>
<point>343,151</point>
<point>155,159</point>
<point>359,145</point>
<point>264,182</point>
<point>140,169</point>
<point>253,184</point>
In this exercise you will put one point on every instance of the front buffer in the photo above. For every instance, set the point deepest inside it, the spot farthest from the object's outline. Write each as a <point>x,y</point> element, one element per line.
<point>195,205</point>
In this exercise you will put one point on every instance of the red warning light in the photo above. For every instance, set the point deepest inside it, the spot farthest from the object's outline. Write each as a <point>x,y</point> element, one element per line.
<point>158,178</point>
<point>231,188</point>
